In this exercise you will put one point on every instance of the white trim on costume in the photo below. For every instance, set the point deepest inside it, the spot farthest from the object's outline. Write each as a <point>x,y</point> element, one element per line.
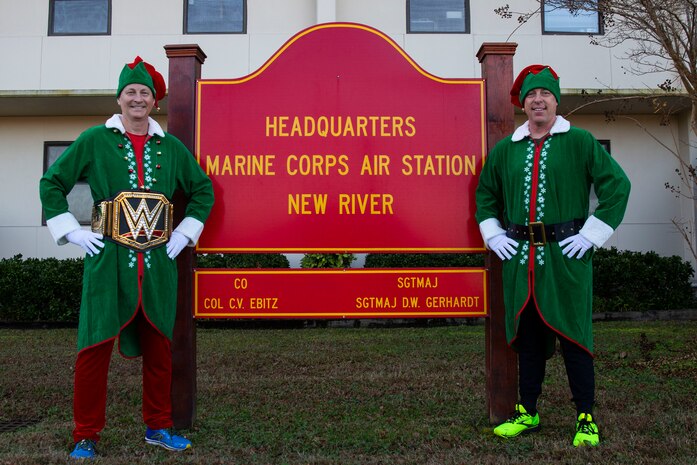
<point>560,125</point>
<point>59,226</point>
<point>596,231</point>
<point>191,228</point>
<point>115,122</point>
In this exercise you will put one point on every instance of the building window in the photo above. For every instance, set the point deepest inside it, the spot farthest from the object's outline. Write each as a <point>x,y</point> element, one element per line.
<point>559,20</point>
<point>80,198</point>
<point>79,17</point>
<point>438,16</point>
<point>215,16</point>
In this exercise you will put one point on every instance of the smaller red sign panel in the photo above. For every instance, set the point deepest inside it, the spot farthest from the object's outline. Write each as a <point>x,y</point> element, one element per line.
<point>335,294</point>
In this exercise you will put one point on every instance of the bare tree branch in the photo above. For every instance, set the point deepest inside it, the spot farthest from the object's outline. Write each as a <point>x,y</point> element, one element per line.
<point>659,36</point>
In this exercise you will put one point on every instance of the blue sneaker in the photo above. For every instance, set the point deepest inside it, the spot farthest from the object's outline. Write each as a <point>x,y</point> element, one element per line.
<point>84,449</point>
<point>165,438</point>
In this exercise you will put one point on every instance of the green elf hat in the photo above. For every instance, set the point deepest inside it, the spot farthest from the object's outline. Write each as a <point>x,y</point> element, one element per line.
<point>140,72</point>
<point>534,77</point>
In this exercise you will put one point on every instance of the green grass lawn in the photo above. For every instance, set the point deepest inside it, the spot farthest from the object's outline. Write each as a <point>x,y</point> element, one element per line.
<point>362,396</point>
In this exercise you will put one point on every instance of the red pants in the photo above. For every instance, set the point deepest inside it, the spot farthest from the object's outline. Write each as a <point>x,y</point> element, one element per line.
<point>91,373</point>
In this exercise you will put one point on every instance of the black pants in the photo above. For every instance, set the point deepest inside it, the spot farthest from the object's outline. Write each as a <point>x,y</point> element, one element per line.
<point>532,346</point>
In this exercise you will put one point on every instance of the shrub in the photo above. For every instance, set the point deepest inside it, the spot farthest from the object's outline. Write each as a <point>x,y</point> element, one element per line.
<point>40,289</point>
<point>423,260</point>
<point>640,281</point>
<point>327,260</point>
<point>242,260</point>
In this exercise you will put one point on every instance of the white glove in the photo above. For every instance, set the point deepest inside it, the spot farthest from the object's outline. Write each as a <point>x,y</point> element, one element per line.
<point>176,244</point>
<point>575,244</point>
<point>88,240</point>
<point>504,246</point>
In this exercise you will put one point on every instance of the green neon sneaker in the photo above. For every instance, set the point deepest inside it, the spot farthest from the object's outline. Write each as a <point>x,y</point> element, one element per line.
<point>586,431</point>
<point>520,423</point>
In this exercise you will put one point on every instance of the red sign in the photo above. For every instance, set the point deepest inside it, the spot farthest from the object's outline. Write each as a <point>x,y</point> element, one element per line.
<point>356,293</point>
<point>340,142</point>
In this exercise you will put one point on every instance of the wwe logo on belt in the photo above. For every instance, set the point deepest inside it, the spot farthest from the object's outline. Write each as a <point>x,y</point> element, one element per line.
<point>142,218</point>
<point>138,220</point>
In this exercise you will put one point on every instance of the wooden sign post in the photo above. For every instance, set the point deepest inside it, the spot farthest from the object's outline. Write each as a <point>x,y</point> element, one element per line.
<point>184,69</point>
<point>501,362</point>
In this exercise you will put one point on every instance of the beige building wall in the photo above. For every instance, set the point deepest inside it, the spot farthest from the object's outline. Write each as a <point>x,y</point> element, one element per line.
<point>647,223</point>
<point>36,64</point>
<point>42,62</point>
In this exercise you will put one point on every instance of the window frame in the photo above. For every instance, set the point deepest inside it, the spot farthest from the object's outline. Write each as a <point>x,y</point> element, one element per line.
<point>79,185</point>
<point>185,26</point>
<point>601,30</point>
<point>51,23</point>
<point>466,10</point>
<point>607,144</point>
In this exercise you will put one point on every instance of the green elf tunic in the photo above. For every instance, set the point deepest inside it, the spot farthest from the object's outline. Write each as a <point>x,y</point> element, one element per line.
<point>103,156</point>
<point>550,182</point>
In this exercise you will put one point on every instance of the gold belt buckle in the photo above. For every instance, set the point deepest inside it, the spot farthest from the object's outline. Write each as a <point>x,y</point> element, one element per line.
<point>533,237</point>
<point>138,220</point>
<point>102,217</point>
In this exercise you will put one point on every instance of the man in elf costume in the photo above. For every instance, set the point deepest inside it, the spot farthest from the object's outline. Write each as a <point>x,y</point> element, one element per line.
<point>533,212</point>
<point>129,293</point>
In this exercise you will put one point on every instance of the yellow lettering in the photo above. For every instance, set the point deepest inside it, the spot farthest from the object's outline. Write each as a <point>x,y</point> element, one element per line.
<point>362,204</point>
<point>282,124</point>
<point>271,126</point>
<point>348,129</point>
<point>452,302</point>
<point>385,128</point>
<point>212,303</point>
<point>376,302</point>
<point>227,167</point>
<point>317,165</point>
<point>410,122</point>
<point>361,123</point>
<point>419,282</point>
<point>296,130</point>
<point>438,165</point>
<point>309,126</point>
<point>307,204</point>
<point>212,165</point>
<point>397,123</point>
<point>263,303</point>
<point>470,163</point>
<point>340,126</point>
<point>379,165</point>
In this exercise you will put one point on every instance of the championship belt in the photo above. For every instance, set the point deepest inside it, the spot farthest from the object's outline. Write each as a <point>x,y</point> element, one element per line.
<point>135,219</point>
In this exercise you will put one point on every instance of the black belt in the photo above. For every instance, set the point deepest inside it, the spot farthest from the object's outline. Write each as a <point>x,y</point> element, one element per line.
<point>539,233</point>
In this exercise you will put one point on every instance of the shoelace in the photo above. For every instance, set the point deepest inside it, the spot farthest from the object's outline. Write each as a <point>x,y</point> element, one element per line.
<point>161,434</point>
<point>586,427</point>
<point>85,444</point>
<point>517,416</point>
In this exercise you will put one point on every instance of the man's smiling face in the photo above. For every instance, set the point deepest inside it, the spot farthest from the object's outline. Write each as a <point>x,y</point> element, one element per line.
<point>540,106</point>
<point>136,101</point>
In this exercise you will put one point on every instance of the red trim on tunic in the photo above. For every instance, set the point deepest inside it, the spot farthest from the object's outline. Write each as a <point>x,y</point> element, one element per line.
<point>533,198</point>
